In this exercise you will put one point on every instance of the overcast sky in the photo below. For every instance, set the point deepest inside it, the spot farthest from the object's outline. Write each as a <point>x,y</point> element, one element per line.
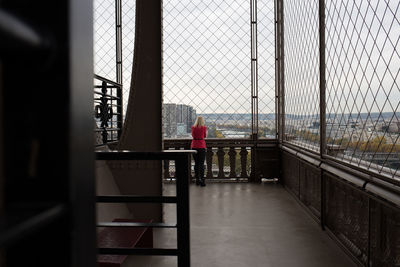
<point>207,54</point>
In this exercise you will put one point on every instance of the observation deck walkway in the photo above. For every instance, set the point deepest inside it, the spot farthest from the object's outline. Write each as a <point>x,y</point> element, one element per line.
<point>244,224</point>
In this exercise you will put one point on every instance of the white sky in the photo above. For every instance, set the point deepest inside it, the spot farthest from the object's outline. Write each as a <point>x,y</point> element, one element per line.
<point>207,54</point>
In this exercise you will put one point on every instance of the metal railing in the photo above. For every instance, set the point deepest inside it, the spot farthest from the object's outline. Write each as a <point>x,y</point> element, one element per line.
<point>182,159</point>
<point>226,159</point>
<point>358,211</point>
<point>107,111</point>
<point>114,41</point>
<point>336,72</point>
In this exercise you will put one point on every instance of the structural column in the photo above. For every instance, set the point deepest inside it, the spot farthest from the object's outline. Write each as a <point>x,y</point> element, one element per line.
<point>279,52</point>
<point>142,128</point>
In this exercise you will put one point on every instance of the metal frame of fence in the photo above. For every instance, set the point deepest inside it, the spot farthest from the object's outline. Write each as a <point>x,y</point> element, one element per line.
<point>324,55</point>
<point>357,82</point>
<point>304,92</point>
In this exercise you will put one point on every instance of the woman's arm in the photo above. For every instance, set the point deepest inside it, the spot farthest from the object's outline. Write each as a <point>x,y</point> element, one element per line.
<point>205,131</point>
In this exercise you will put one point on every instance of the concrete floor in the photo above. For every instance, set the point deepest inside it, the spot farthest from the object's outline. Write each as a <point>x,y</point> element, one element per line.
<point>243,225</point>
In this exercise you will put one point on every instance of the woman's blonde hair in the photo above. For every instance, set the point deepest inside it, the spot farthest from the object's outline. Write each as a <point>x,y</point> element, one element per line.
<point>199,122</point>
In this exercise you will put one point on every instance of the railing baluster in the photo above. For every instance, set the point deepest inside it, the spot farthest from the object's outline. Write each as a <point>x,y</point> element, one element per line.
<point>232,161</point>
<point>209,156</point>
<point>220,155</point>
<point>175,148</point>
<point>220,151</point>
<point>182,163</point>
<point>167,175</point>
<point>243,162</point>
<point>107,110</point>
<point>182,210</point>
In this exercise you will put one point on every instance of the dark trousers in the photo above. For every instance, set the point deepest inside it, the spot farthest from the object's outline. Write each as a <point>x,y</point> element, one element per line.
<point>199,159</point>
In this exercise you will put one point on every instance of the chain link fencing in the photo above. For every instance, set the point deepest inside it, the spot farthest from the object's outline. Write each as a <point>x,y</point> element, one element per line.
<point>206,52</point>
<point>104,40</point>
<point>363,93</point>
<point>207,67</point>
<point>362,81</point>
<point>266,68</point>
<point>301,73</point>
<point>104,50</point>
<point>207,71</point>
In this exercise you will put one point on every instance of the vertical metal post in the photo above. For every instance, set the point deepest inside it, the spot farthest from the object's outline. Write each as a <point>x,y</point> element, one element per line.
<point>2,258</point>
<point>322,104</point>
<point>280,69</point>
<point>254,68</point>
<point>1,151</point>
<point>118,55</point>
<point>322,79</point>
<point>323,198</point>
<point>369,233</point>
<point>276,33</point>
<point>254,86</point>
<point>118,40</point>
<point>182,210</point>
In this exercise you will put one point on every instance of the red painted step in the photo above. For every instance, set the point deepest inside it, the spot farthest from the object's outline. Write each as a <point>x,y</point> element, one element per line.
<point>123,237</point>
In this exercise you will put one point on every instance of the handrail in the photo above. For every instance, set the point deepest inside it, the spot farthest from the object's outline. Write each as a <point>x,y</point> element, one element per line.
<point>350,205</point>
<point>136,199</point>
<point>139,155</point>
<point>108,106</point>
<point>344,165</point>
<point>182,159</point>
<point>101,78</point>
<point>367,182</point>
<point>227,159</point>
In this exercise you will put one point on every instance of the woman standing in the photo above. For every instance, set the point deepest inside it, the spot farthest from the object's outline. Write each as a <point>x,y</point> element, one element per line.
<point>199,132</point>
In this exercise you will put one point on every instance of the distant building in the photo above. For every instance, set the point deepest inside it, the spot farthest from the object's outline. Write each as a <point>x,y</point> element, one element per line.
<point>184,114</point>
<point>194,116</point>
<point>178,119</point>
<point>169,120</point>
<point>393,127</point>
<point>181,129</point>
<point>179,113</point>
<point>190,121</point>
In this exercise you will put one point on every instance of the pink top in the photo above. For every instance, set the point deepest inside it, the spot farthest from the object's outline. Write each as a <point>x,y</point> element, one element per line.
<point>199,133</point>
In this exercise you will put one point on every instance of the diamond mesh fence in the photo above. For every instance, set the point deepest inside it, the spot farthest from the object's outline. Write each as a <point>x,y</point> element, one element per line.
<point>362,80</point>
<point>301,73</point>
<point>128,45</point>
<point>266,68</point>
<point>207,67</point>
<point>363,93</point>
<point>104,50</point>
<point>105,41</point>
<point>206,64</point>
<point>207,71</point>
